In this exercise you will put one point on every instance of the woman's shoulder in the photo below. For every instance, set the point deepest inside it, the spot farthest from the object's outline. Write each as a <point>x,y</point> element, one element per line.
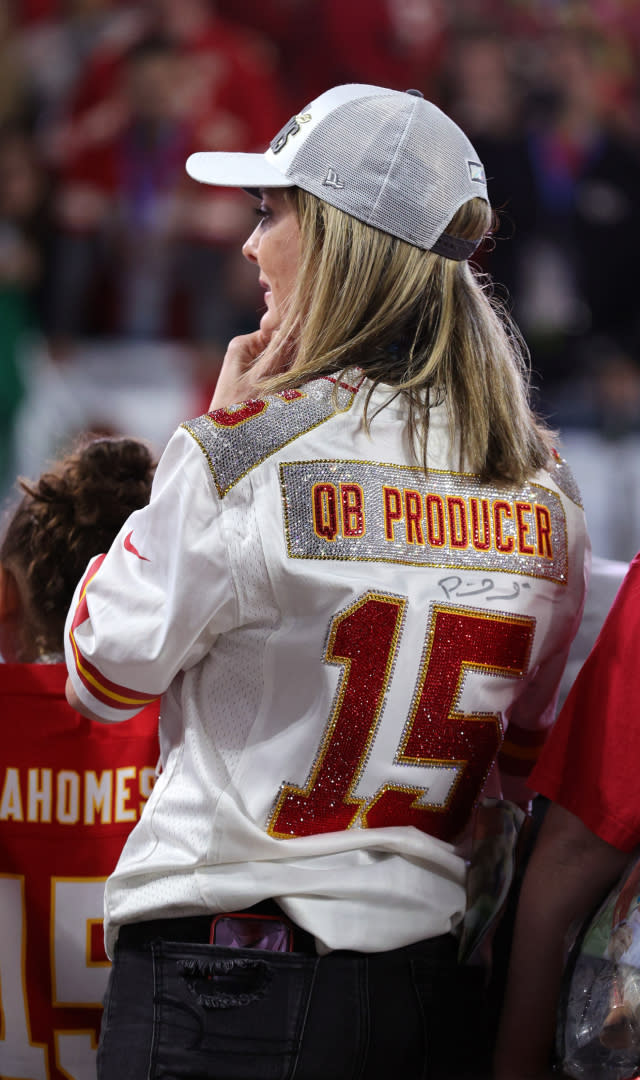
<point>560,471</point>
<point>236,439</point>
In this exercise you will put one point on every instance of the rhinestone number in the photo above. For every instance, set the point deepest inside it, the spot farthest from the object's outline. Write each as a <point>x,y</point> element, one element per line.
<point>363,639</point>
<point>457,749</point>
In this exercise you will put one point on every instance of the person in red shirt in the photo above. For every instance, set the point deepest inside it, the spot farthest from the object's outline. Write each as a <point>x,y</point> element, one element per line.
<point>70,789</point>
<point>142,251</point>
<point>588,769</point>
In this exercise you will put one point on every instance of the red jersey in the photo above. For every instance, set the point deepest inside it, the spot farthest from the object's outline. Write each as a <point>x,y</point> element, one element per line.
<point>590,763</point>
<point>71,789</point>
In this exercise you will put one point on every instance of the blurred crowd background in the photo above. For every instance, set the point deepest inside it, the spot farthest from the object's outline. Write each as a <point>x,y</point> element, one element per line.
<point>121,279</point>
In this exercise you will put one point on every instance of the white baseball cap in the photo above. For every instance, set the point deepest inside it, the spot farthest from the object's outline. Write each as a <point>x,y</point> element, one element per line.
<point>388,158</point>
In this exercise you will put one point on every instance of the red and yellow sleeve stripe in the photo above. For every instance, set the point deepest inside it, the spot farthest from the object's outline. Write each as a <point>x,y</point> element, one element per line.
<point>102,689</point>
<point>520,749</point>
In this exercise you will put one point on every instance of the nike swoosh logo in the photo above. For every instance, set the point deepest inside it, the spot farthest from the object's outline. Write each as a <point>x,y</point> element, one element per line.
<point>128,546</point>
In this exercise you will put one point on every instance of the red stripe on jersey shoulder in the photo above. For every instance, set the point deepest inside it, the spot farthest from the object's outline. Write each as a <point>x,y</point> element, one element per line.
<point>102,689</point>
<point>352,387</point>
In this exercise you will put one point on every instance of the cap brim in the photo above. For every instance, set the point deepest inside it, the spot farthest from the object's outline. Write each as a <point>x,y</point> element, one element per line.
<point>235,170</point>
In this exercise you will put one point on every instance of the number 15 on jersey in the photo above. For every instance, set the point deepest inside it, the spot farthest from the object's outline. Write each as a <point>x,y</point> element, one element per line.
<point>436,735</point>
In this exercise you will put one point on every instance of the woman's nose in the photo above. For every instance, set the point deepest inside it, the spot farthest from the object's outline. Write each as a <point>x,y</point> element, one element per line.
<point>250,247</point>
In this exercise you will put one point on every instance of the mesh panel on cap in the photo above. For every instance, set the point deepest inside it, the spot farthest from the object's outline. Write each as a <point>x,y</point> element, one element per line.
<point>358,148</point>
<point>423,152</point>
<point>433,167</point>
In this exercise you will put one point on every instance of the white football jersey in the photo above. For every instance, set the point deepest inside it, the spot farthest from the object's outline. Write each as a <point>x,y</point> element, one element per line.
<point>345,647</point>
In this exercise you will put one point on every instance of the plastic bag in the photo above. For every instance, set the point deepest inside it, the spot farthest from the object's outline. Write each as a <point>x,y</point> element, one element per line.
<point>490,874</point>
<point>598,1034</point>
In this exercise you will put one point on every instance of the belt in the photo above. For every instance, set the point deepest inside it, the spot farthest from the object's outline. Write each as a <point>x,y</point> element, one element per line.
<point>196,929</point>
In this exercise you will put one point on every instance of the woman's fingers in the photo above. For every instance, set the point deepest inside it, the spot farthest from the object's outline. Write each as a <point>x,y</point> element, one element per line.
<point>239,373</point>
<point>247,362</point>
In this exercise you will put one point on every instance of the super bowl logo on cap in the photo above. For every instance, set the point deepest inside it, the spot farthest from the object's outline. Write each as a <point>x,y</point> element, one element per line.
<point>292,127</point>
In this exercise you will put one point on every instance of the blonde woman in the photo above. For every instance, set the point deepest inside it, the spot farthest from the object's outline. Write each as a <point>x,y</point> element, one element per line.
<point>354,587</point>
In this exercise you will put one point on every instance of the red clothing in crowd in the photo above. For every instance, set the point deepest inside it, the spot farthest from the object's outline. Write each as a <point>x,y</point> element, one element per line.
<point>225,98</point>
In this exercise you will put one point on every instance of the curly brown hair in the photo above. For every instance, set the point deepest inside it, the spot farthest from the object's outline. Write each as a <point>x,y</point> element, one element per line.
<point>73,512</point>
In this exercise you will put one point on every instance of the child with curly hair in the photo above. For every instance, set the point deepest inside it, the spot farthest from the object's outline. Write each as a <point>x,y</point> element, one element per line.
<point>70,789</point>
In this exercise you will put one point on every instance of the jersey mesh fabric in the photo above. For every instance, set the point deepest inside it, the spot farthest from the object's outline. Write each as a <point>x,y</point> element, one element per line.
<point>237,655</point>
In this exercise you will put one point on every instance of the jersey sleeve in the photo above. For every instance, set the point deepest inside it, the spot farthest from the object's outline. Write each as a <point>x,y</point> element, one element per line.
<point>532,715</point>
<point>589,765</point>
<point>530,721</point>
<point>155,603</point>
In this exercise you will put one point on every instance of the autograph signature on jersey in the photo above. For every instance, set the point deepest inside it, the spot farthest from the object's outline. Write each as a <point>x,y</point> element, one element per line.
<point>455,586</point>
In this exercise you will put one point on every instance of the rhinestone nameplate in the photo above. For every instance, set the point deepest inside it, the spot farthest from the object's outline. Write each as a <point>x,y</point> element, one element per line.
<point>365,511</point>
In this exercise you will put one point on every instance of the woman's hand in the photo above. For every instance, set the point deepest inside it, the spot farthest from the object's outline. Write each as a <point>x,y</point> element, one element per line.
<point>242,371</point>
<point>239,373</point>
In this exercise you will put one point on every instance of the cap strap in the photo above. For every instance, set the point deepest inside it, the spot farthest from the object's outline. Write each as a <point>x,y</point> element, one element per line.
<point>454,247</point>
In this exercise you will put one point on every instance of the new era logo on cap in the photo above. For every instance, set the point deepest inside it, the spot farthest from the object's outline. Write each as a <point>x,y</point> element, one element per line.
<point>332,180</point>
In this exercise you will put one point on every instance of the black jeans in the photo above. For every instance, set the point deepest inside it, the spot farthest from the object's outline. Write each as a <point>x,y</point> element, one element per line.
<point>181,1009</point>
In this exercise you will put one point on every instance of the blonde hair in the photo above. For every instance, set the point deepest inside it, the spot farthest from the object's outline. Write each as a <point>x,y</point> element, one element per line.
<point>421,324</point>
